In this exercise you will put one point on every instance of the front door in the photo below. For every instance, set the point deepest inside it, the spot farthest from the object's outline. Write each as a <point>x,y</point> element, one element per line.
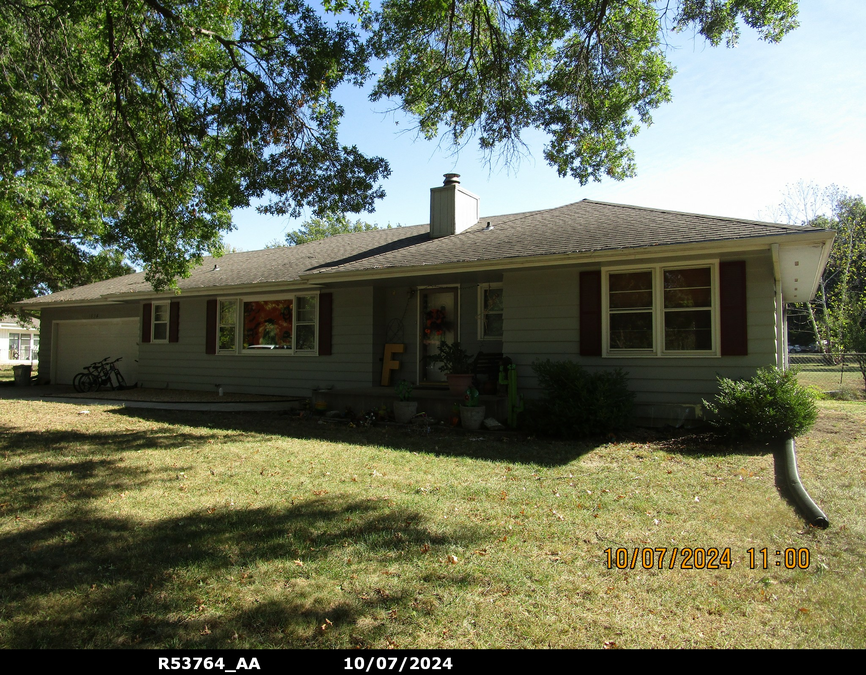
<point>438,323</point>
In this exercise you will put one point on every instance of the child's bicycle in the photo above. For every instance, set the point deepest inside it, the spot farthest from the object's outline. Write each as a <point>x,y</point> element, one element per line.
<point>99,374</point>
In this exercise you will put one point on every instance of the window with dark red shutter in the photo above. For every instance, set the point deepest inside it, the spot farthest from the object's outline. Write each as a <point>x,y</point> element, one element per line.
<point>590,313</point>
<point>174,322</point>
<point>326,309</point>
<point>732,308</point>
<point>146,320</point>
<point>210,331</point>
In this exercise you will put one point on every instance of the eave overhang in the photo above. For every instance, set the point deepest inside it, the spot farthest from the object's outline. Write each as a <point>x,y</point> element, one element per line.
<point>815,241</point>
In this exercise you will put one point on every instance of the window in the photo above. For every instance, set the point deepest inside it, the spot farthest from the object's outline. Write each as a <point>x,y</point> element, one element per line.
<point>23,347</point>
<point>631,310</point>
<point>228,325</point>
<point>491,303</point>
<point>18,343</point>
<point>268,324</point>
<point>305,323</point>
<point>160,321</point>
<point>662,311</point>
<point>285,325</point>
<point>688,302</point>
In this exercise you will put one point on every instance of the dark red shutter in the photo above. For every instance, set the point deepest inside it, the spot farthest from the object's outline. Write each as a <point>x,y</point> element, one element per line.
<point>590,313</point>
<point>173,321</point>
<point>326,311</point>
<point>146,320</point>
<point>732,308</point>
<point>210,329</point>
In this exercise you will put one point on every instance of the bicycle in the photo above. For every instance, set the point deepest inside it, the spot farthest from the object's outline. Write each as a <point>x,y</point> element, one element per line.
<point>99,374</point>
<point>87,380</point>
<point>107,374</point>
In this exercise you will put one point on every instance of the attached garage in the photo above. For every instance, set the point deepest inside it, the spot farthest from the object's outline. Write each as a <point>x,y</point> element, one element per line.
<point>80,343</point>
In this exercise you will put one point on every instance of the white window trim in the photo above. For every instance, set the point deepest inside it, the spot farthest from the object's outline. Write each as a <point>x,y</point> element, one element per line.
<point>167,322</point>
<point>419,366</point>
<point>219,325</point>
<point>481,289</point>
<point>259,352</point>
<point>20,337</point>
<point>658,311</point>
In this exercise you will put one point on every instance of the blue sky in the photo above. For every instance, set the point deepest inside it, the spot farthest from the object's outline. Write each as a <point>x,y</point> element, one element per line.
<point>743,124</point>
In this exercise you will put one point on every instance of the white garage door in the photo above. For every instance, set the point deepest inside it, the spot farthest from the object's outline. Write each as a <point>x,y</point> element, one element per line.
<point>80,343</point>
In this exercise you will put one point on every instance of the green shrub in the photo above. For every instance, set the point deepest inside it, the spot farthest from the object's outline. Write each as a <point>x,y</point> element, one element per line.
<point>771,405</point>
<point>577,403</point>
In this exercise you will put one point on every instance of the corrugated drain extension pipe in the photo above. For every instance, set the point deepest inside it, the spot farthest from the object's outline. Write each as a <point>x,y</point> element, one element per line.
<point>808,508</point>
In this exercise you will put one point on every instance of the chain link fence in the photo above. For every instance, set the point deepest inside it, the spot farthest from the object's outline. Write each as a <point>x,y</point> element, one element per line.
<point>835,374</point>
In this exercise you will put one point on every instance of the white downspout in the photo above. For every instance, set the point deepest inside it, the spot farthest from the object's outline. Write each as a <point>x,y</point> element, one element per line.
<point>781,327</point>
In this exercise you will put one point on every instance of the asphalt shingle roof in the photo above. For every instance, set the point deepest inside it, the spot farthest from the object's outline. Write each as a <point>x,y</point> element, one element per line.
<point>582,227</point>
<point>270,265</point>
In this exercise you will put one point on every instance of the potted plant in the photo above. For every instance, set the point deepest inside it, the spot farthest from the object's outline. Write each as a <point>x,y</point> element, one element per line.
<point>471,413</point>
<point>404,409</point>
<point>457,366</point>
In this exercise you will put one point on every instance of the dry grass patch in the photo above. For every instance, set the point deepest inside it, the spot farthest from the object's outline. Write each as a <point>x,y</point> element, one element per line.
<point>182,529</point>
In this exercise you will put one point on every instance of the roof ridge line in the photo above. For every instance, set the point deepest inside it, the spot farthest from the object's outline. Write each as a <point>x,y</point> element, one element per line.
<point>704,215</point>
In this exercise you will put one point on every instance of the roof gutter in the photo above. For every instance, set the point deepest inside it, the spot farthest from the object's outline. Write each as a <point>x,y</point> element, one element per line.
<point>240,289</point>
<point>38,306</point>
<point>600,257</point>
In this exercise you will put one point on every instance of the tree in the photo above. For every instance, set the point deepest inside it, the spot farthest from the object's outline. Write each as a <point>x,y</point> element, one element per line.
<point>137,126</point>
<point>837,315</point>
<point>328,225</point>
<point>134,127</point>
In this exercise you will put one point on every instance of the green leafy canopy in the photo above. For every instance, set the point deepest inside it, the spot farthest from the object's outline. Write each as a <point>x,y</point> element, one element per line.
<point>328,225</point>
<point>130,129</point>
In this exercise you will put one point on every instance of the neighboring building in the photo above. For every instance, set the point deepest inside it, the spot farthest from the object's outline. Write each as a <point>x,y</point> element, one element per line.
<point>674,299</point>
<point>19,343</point>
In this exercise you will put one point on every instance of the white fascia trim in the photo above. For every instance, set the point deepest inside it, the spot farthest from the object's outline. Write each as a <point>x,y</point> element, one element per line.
<point>822,264</point>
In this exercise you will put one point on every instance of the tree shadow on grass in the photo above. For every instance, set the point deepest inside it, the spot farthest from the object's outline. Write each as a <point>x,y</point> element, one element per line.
<point>436,440</point>
<point>75,466</point>
<point>227,577</point>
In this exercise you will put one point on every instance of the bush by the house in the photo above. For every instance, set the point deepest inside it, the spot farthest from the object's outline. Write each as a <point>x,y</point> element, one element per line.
<point>577,403</point>
<point>769,406</point>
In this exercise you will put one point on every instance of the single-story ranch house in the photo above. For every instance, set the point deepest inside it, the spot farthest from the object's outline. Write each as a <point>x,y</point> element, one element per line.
<point>19,343</point>
<point>674,299</point>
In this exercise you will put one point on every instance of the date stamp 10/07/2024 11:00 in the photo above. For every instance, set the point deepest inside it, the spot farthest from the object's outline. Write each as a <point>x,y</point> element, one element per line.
<point>664,558</point>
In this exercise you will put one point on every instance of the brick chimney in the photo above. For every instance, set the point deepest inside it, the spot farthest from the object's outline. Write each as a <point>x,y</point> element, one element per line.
<point>452,208</point>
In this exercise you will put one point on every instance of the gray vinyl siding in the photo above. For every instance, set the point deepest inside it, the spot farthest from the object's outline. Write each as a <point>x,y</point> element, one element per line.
<point>397,318</point>
<point>397,309</point>
<point>49,315</point>
<point>542,322</point>
<point>185,365</point>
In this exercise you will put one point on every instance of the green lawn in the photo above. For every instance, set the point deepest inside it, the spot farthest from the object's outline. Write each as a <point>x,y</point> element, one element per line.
<point>841,379</point>
<point>7,375</point>
<point>125,528</point>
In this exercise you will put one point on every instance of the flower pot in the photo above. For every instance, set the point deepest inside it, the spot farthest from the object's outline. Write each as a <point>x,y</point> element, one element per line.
<point>471,418</point>
<point>457,384</point>
<point>404,411</point>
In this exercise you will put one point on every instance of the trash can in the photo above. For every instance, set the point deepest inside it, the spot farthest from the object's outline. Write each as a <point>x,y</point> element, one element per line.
<point>22,375</point>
